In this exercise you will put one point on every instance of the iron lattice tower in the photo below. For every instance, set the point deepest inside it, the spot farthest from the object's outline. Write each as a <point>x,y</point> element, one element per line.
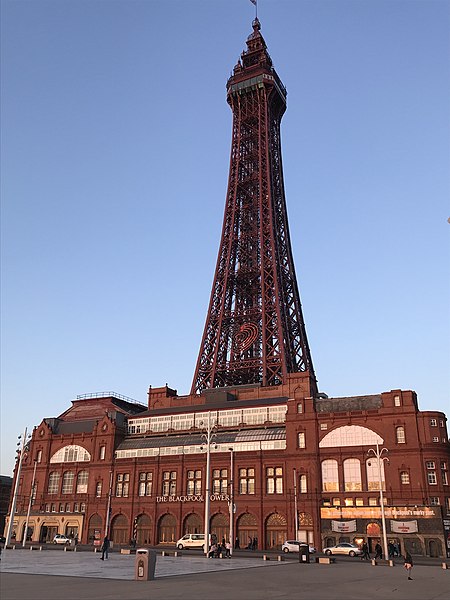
<point>254,331</point>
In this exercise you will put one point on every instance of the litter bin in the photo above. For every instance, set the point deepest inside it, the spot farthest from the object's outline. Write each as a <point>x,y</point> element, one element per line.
<point>145,564</point>
<point>303,553</point>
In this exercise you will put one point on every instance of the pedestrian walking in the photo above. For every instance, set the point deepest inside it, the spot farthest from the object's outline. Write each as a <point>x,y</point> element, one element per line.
<point>105,548</point>
<point>408,564</point>
<point>365,552</point>
<point>378,551</point>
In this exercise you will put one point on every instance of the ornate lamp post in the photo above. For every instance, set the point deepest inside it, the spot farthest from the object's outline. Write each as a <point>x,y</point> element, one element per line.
<point>295,506</point>
<point>231,501</point>
<point>30,502</point>
<point>21,452</point>
<point>378,454</point>
<point>208,436</point>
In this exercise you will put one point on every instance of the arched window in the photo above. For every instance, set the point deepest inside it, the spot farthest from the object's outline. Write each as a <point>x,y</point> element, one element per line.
<point>67,482</point>
<point>330,476</point>
<point>303,484</point>
<point>72,453</point>
<point>400,435</point>
<point>404,477</point>
<point>53,483</point>
<point>373,476</point>
<point>82,482</point>
<point>350,435</point>
<point>352,475</point>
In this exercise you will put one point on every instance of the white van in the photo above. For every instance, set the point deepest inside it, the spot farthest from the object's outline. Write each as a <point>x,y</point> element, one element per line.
<point>191,540</point>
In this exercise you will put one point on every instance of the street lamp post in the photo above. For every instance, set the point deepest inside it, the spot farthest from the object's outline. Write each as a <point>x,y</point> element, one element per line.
<point>208,435</point>
<point>295,506</point>
<point>30,502</point>
<point>231,501</point>
<point>378,454</point>
<point>25,439</point>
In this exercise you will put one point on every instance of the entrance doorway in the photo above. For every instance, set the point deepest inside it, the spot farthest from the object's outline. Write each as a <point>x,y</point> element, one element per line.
<point>167,530</point>
<point>246,529</point>
<point>219,527</point>
<point>276,531</point>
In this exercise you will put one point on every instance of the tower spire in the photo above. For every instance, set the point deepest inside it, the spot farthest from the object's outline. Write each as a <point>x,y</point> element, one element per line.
<point>254,331</point>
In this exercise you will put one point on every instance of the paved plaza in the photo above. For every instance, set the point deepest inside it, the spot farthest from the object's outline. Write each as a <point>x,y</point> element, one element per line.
<point>55,575</point>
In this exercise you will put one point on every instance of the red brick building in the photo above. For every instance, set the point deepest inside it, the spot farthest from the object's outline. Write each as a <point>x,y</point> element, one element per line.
<point>291,451</point>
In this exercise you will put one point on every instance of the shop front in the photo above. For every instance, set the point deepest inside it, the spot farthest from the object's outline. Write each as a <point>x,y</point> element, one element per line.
<point>416,529</point>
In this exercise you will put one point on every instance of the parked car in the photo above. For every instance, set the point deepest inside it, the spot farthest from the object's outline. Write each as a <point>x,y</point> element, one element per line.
<point>344,548</point>
<point>294,546</point>
<point>191,540</point>
<point>61,539</point>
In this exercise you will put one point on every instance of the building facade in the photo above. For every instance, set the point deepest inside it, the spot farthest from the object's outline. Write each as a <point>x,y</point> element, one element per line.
<point>285,460</point>
<point>301,468</point>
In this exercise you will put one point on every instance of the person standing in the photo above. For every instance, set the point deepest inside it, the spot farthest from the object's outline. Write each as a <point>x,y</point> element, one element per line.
<point>105,548</point>
<point>408,564</point>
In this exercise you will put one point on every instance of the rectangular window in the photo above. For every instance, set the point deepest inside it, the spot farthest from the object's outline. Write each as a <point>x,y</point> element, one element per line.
<point>169,486</point>
<point>432,478</point>
<point>220,481</point>
<point>404,477</point>
<point>444,478</point>
<point>397,401</point>
<point>194,483</point>
<point>122,485</point>
<point>348,501</point>
<point>326,502</point>
<point>435,439</point>
<point>430,464</point>
<point>323,426</point>
<point>433,422</point>
<point>61,508</point>
<point>336,501</point>
<point>359,501</point>
<point>299,408</point>
<point>373,502</point>
<point>441,423</point>
<point>301,441</point>
<point>68,507</point>
<point>39,456</point>
<point>274,480</point>
<point>145,484</point>
<point>447,505</point>
<point>102,452</point>
<point>247,481</point>
<point>98,489</point>
<point>434,501</point>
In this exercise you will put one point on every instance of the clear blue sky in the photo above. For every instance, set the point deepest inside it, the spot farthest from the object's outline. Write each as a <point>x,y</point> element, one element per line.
<point>115,154</point>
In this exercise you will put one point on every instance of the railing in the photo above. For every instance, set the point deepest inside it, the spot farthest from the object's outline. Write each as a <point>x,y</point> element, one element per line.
<point>109,395</point>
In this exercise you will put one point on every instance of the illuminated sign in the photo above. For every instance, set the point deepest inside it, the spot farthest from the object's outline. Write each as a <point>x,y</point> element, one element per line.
<point>374,512</point>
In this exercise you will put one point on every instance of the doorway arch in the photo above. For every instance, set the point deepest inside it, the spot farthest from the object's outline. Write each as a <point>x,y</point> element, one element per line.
<point>276,531</point>
<point>193,524</point>
<point>119,530</point>
<point>246,528</point>
<point>143,530</point>
<point>95,529</point>
<point>167,529</point>
<point>219,527</point>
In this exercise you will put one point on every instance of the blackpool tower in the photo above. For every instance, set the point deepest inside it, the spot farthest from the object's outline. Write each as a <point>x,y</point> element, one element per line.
<point>254,331</point>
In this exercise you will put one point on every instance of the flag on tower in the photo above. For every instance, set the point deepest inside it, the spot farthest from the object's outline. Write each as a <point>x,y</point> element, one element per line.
<point>253,2</point>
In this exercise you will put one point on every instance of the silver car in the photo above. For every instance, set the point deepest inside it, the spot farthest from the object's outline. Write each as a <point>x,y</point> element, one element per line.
<point>344,548</point>
<point>294,546</point>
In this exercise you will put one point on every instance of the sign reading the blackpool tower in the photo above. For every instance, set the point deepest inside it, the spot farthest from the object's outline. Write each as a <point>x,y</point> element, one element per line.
<point>193,498</point>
